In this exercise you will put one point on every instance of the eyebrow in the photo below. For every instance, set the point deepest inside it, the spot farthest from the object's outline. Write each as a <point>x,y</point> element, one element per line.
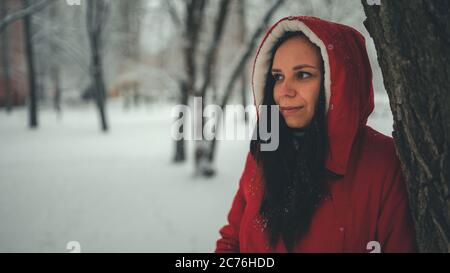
<point>297,67</point>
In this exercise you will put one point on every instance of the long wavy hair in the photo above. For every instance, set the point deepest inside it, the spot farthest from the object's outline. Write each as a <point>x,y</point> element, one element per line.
<point>293,174</point>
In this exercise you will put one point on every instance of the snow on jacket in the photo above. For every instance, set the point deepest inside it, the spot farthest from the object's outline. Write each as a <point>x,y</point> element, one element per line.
<point>368,195</point>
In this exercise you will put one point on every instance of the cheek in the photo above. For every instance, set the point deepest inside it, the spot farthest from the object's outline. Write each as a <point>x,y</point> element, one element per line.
<point>312,96</point>
<point>308,92</point>
<point>311,99</point>
<point>276,95</point>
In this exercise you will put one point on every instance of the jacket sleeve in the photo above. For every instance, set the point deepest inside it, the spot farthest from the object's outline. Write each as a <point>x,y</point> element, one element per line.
<point>395,226</point>
<point>229,240</point>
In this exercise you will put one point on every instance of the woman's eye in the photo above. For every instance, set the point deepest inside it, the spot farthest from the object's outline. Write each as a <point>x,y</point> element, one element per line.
<point>303,75</point>
<point>277,77</point>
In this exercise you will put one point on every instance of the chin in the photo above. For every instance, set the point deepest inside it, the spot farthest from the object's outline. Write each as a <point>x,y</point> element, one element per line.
<point>295,124</point>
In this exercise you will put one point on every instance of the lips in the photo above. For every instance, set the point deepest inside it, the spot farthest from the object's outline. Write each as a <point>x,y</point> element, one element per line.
<point>290,109</point>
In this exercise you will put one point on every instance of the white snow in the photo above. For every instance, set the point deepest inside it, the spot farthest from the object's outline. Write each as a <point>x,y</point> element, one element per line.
<point>115,192</point>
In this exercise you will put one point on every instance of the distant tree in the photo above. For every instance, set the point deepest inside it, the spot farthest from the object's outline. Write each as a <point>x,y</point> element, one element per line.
<point>199,84</point>
<point>130,14</point>
<point>55,66</point>
<point>238,69</point>
<point>96,15</point>
<point>32,88</point>
<point>243,33</point>
<point>31,8</point>
<point>202,162</point>
<point>192,25</point>
<point>5,59</point>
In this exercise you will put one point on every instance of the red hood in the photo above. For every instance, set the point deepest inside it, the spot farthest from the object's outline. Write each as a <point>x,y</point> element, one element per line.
<point>348,80</point>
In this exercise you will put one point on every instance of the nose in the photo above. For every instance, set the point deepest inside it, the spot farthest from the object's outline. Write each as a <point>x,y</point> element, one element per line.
<point>287,89</point>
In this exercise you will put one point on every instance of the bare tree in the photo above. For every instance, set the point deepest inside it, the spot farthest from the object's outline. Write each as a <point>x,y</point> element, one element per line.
<point>31,8</point>
<point>412,39</point>
<point>5,59</point>
<point>194,18</point>
<point>25,13</point>
<point>211,55</point>
<point>242,40</point>
<point>194,15</point>
<point>202,161</point>
<point>173,12</point>
<point>192,24</point>
<point>32,93</point>
<point>129,29</point>
<point>238,69</point>
<point>97,13</point>
<point>55,66</point>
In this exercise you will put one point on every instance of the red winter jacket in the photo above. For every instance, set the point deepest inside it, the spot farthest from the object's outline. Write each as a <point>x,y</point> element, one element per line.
<point>368,196</point>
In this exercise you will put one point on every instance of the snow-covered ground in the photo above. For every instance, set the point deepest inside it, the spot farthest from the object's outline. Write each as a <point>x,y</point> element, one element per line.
<point>115,192</point>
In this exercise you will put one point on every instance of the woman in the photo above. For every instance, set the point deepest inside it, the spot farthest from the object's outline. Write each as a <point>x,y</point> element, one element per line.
<point>334,184</point>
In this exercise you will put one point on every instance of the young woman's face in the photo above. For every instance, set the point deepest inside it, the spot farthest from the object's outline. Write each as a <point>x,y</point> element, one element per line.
<point>297,72</point>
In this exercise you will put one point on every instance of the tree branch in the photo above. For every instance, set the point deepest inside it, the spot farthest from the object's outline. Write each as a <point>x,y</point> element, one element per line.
<point>10,18</point>
<point>173,13</point>
<point>250,48</point>
<point>240,66</point>
<point>208,71</point>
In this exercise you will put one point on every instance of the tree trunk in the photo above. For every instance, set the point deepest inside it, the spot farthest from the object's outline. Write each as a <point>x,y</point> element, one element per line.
<point>32,93</point>
<point>412,39</point>
<point>242,39</point>
<point>238,70</point>
<point>5,59</point>
<point>180,149</point>
<point>194,15</point>
<point>57,88</point>
<point>54,64</point>
<point>96,17</point>
<point>203,165</point>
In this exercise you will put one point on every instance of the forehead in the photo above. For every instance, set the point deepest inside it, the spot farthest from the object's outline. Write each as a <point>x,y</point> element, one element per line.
<point>295,51</point>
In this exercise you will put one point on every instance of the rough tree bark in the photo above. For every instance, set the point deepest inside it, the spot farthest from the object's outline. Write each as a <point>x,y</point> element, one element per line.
<point>412,38</point>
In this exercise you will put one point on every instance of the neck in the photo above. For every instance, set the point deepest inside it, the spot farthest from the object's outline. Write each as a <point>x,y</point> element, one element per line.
<point>298,132</point>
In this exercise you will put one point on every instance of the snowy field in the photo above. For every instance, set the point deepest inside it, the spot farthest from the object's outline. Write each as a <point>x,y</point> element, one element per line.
<point>115,192</point>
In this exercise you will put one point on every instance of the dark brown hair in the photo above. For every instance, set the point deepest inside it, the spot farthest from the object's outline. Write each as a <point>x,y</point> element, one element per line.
<point>293,174</point>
